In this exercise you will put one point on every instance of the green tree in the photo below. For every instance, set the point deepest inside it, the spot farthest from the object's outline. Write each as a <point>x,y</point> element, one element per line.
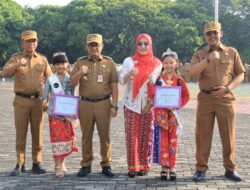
<point>13,20</point>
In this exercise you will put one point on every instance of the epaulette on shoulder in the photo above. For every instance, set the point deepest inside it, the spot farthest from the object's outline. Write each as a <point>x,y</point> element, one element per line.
<point>205,48</point>
<point>15,54</point>
<point>107,57</point>
<point>83,57</point>
<point>41,55</point>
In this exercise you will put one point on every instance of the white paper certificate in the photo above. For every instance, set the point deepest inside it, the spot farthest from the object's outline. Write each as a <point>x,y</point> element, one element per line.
<point>167,97</point>
<point>65,105</point>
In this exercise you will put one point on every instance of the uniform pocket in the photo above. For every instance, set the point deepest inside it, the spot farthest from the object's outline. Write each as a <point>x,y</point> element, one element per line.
<point>107,75</point>
<point>39,67</point>
<point>22,69</point>
<point>226,65</point>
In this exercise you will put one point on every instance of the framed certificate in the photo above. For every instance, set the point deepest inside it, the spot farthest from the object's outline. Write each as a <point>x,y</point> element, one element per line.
<point>65,105</point>
<point>167,97</point>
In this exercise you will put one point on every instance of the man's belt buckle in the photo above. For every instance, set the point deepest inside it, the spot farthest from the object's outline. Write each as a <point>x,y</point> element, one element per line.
<point>32,96</point>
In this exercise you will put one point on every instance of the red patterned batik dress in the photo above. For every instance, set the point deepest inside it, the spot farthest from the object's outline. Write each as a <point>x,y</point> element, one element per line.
<point>137,128</point>
<point>62,137</point>
<point>165,138</point>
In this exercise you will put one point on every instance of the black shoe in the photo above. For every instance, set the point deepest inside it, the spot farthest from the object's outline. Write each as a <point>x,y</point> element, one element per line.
<point>142,173</point>
<point>131,174</point>
<point>107,171</point>
<point>233,175</point>
<point>199,176</point>
<point>172,176</point>
<point>37,169</point>
<point>83,171</point>
<point>17,170</point>
<point>164,175</point>
<point>23,170</point>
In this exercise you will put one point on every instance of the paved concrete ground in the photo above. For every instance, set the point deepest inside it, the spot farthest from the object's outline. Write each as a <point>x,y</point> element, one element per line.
<point>185,162</point>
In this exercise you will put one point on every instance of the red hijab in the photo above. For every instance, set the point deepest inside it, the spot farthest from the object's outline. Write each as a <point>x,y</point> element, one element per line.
<point>144,63</point>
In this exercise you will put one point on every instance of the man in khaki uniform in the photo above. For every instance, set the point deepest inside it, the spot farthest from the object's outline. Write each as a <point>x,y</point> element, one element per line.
<point>219,70</point>
<point>98,80</point>
<point>29,69</point>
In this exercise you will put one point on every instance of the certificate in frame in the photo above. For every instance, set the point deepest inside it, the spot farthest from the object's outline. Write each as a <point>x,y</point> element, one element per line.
<point>65,105</point>
<point>167,97</point>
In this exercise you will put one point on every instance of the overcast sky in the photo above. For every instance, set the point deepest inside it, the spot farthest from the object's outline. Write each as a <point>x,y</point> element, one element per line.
<point>34,3</point>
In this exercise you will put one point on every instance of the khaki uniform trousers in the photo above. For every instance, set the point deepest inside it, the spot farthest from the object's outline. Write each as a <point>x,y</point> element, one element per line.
<point>28,111</point>
<point>224,111</point>
<point>89,114</point>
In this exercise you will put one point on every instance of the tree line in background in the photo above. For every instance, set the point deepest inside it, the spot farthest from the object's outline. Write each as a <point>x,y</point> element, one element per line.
<point>175,24</point>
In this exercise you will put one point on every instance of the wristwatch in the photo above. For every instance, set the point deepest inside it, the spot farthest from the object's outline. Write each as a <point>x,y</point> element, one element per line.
<point>227,89</point>
<point>116,107</point>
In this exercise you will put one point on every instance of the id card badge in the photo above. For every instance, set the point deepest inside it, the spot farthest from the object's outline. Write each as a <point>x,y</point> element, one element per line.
<point>99,78</point>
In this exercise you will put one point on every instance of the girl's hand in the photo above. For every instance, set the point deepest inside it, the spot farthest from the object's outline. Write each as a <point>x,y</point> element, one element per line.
<point>147,108</point>
<point>74,116</point>
<point>45,105</point>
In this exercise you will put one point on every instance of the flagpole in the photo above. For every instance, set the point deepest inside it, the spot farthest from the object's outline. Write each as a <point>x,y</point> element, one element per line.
<point>216,10</point>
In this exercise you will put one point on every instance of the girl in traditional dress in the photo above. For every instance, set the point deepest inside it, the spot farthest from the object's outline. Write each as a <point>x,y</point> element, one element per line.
<point>136,73</point>
<point>62,134</point>
<point>167,122</point>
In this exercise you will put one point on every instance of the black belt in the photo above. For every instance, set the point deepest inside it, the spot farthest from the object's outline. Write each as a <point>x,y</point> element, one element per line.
<point>95,99</point>
<point>209,91</point>
<point>206,91</point>
<point>35,96</point>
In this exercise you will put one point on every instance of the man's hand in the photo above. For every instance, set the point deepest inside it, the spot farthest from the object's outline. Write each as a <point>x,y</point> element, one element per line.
<point>84,70</point>
<point>215,55</point>
<point>22,62</point>
<point>113,112</point>
<point>218,92</point>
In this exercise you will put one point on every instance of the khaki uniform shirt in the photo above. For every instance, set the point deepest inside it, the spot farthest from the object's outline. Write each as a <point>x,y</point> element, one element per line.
<point>222,71</point>
<point>28,78</point>
<point>104,69</point>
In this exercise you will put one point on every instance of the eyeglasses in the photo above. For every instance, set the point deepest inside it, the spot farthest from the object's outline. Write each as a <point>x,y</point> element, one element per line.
<point>93,45</point>
<point>212,33</point>
<point>143,43</point>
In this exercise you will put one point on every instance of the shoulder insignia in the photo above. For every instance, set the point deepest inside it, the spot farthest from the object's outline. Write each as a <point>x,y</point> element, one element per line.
<point>107,57</point>
<point>83,57</point>
<point>15,54</point>
<point>41,55</point>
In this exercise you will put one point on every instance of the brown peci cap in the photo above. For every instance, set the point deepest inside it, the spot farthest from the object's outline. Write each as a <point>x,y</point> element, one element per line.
<point>28,35</point>
<point>94,38</point>
<point>213,26</point>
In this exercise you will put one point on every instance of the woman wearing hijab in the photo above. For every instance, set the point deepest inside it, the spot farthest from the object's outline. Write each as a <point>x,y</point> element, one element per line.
<point>137,73</point>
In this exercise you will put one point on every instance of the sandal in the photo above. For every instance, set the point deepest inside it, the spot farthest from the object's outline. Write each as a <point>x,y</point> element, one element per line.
<point>64,169</point>
<point>164,175</point>
<point>131,174</point>
<point>172,176</point>
<point>59,172</point>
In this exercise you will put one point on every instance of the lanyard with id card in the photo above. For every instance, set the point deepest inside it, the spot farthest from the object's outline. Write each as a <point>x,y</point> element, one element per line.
<point>100,75</point>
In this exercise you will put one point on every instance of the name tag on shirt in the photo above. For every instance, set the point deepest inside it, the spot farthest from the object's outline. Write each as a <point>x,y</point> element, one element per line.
<point>99,78</point>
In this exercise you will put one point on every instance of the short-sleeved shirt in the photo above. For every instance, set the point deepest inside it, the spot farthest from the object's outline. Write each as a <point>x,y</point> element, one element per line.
<point>28,78</point>
<point>101,74</point>
<point>222,71</point>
